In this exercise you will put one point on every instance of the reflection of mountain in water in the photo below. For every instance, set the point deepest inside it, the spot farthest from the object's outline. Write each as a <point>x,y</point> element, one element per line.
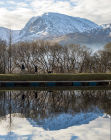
<point>42,107</point>
<point>65,120</point>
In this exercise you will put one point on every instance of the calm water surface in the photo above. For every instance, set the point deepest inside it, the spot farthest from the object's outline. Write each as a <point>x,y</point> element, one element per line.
<point>55,115</point>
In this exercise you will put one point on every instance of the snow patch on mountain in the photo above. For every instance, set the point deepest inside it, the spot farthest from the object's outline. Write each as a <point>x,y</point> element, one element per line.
<point>108,28</point>
<point>105,26</point>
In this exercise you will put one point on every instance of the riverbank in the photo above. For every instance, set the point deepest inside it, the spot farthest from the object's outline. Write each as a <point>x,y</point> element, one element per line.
<point>55,77</point>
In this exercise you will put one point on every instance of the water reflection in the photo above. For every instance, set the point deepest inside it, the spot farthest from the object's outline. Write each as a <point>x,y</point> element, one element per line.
<point>42,104</point>
<point>54,110</point>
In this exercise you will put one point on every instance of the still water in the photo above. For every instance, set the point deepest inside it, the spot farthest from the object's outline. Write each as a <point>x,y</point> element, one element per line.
<point>55,115</point>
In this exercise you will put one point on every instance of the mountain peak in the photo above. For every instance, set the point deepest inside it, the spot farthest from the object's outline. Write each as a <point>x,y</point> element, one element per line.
<point>55,24</point>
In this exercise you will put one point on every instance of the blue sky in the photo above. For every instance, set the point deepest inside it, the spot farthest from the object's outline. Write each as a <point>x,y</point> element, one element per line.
<point>15,13</point>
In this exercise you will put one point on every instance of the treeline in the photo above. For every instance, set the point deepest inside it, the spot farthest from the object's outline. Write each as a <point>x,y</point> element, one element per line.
<point>44,57</point>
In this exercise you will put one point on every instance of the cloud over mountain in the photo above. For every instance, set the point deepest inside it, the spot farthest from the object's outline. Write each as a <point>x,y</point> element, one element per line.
<point>16,13</point>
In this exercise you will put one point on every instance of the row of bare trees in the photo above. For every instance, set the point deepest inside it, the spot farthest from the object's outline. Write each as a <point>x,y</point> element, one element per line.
<point>48,56</point>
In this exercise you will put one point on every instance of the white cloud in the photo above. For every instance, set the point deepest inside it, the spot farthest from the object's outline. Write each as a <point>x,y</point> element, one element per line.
<point>15,19</point>
<point>1,2</point>
<point>50,6</point>
<point>22,4</point>
<point>11,2</point>
<point>98,11</point>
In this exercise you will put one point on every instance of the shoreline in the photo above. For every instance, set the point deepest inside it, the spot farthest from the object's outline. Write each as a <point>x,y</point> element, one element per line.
<point>56,77</point>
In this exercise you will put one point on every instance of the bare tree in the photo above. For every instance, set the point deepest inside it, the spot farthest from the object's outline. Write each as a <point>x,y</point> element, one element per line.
<point>2,56</point>
<point>10,52</point>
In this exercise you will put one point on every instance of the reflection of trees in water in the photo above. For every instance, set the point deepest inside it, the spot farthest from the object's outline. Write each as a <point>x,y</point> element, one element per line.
<point>40,104</point>
<point>101,99</point>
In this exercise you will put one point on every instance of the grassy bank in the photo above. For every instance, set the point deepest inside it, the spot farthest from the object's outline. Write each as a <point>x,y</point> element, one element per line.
<point>50,89</point>
<point>54,77</point>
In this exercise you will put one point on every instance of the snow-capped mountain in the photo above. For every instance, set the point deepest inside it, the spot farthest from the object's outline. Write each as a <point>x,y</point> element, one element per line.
<point>62,29</point>
<point>51,25</point>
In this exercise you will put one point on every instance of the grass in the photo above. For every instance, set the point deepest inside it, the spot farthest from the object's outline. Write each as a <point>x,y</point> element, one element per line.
<point>55,77</point>
<point>50,89</point>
